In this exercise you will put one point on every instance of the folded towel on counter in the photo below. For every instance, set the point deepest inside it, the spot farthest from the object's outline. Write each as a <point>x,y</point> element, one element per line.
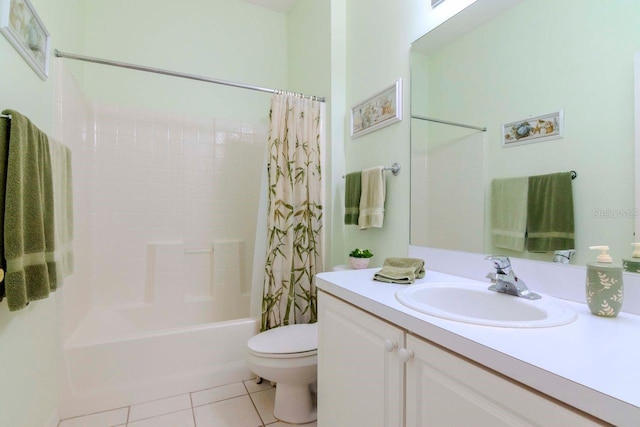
<point>63,208</point>
<point>403,271</point>
<point>352,189</point>
<point>29,236</point>
<point>509,213</point>
<point>550,223</point>
<point>400,275</point>
<point>415,263</point>
<point>372,198</point>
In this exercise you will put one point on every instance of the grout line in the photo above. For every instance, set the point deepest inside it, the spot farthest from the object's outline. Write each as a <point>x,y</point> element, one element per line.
<point>161,415</point>
<point>221,400</point>
<point>254,404</point>
<point>193,413</point>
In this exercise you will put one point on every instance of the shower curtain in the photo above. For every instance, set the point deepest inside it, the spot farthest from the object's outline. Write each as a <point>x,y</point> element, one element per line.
<point>294,222</point>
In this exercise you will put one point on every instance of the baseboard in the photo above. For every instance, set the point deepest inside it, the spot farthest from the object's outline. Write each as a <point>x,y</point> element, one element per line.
<point>54,419</point>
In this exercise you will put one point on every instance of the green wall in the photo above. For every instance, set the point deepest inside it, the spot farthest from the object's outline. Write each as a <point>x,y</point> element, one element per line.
<point>224,39</point>
<point>28,338</point>
<point>378,39</point>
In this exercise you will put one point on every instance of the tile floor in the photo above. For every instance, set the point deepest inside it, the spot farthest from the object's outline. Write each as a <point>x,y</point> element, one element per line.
<point>243,404</point>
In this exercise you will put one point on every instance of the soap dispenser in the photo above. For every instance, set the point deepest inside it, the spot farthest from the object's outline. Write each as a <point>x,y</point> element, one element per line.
<point>604,285</point>
<point>633,265</point>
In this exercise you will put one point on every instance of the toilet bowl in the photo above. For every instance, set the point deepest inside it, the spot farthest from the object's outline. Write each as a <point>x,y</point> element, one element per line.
<point>288,356</point>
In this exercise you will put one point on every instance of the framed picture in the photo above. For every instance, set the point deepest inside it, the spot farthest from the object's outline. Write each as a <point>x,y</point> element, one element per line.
<point>382,109</point>
<point>534,129</point>
<point>21,25</point>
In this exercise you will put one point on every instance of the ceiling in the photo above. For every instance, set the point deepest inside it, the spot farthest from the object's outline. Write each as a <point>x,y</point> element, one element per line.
<point>278,5</point>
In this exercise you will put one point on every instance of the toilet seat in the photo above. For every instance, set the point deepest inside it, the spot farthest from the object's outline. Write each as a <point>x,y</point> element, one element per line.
<point>286,342</point>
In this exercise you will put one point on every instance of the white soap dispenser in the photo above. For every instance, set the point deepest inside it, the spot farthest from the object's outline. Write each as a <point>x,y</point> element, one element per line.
<point>633,265</point>
<point>604,285</point>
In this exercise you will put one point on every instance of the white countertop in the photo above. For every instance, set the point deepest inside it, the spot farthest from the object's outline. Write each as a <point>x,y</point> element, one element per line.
<point>592,364</point>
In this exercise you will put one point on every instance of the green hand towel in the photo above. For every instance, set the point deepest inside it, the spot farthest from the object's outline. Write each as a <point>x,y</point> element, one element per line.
<point>352,191</point>
<point>550,224</point>
<point>4,153</point>
<point>416,264</point>
<point>509,213</point>
<point>29,215</point>
<point>400,275</point>
<point>372,198</point>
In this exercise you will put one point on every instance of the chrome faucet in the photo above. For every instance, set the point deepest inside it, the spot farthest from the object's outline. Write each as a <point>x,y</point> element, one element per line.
<point>505,281</point>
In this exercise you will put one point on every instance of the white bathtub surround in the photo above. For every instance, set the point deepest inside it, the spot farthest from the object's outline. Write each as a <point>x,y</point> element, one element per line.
<point>165,256</point>
<point>240,404</point>
<point>163,176</point>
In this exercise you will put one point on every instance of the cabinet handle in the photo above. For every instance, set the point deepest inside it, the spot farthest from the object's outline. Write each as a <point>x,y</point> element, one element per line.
<point>390,346</point>
<point>405,355</point>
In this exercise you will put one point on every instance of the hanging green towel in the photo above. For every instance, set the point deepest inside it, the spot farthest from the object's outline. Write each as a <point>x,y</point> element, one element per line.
<point>4,152</point>
<point>29,215</point>
<point>403,271</point>
<point>550,225</point>
<point>372,198</point>
<point>352,191</point>
<point>509,213</point>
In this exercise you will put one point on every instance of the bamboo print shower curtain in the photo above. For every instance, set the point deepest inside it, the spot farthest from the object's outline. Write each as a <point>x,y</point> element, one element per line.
<point>294,220</point>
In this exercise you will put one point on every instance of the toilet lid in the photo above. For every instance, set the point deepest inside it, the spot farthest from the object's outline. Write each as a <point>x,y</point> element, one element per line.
<point>286,339</point>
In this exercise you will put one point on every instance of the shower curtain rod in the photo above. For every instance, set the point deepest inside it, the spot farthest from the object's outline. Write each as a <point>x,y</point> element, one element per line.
<point>444,122</point>
<point>60,54</point>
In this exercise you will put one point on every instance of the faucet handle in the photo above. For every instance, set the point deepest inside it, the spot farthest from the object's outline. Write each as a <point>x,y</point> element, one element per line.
<point>502,263</point>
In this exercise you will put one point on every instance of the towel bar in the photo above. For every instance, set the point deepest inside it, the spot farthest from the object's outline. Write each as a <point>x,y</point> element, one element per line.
<point>394,168</point>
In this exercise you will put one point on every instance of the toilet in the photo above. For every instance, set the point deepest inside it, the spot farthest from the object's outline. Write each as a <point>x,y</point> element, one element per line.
<point>288,356</point>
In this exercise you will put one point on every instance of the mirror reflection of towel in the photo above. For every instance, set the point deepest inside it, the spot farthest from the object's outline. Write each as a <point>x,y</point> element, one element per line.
<point>550,222</point>
<point>509,213</point>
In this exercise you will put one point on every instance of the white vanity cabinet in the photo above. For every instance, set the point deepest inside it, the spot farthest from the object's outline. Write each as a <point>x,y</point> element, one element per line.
<point>372,373</point>
<point>443,389</point>
<point>360,376</point>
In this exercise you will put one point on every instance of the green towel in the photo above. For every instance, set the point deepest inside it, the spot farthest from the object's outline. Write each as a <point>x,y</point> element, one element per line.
<point>352,198</point>
<point>400,275</point>
<point>550,224</point>
<point>4,153</point>
<point>372,198</point>
<point>415,263</point>
<point>509,213</point>
<point>29,215</point>
<point>400,270</point>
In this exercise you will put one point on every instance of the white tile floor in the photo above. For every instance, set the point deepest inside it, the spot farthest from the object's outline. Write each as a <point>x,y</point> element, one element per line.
<point>244,404</point>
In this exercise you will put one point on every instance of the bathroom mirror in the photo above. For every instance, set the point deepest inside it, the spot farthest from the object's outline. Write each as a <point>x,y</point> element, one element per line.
<point>538,57</point>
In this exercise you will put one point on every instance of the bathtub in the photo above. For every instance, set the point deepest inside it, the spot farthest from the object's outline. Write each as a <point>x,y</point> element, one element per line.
<point>114,359</point>
<point>120,356</point>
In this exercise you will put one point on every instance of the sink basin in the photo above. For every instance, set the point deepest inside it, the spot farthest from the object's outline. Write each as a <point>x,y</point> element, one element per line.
<point>471,303</point>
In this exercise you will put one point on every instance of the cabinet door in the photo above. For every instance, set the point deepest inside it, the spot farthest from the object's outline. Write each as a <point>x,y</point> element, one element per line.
<point>446,390</point>
<point>360,377</point>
